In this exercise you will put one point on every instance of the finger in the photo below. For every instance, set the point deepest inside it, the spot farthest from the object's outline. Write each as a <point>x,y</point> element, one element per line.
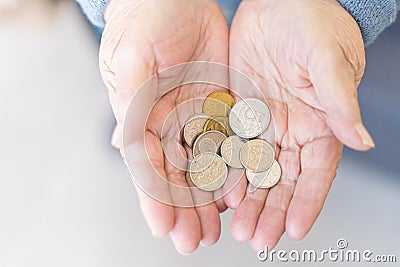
<point>245,217</point>
<point>235,188</point>
<point>116,138</point>
<point>335,82</point>
<point>221,205</point>
<point>124,66</point>
<point>319,160</point>
<point>159,216</point>
<point>186,233</point>
<point>120,99</point>
<point>210,224</point>
<point>208,214</point>
<point>145,161</point>
<point>271,223</point>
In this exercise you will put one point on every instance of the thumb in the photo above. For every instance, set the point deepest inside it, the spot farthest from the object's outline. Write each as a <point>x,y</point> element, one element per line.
<point>129,76</point>
<point>335,83</point>
<point>124,66</point>
<point>116,138</point>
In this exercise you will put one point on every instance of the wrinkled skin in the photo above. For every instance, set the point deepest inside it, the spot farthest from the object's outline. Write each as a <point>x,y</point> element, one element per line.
<point>308,63</point>
<point>308,58</point>
<point>140,39</point>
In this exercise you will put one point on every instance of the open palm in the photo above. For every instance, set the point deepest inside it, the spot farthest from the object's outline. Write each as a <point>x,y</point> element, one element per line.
<point>141,39</point>
<point>307,57</point>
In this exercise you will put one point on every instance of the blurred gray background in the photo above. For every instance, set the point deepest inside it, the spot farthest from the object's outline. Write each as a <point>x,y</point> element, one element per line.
<point>66,198</point>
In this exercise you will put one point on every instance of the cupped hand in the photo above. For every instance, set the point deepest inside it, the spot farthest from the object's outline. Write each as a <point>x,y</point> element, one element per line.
<point>142,38</point>
<point>307,57</point>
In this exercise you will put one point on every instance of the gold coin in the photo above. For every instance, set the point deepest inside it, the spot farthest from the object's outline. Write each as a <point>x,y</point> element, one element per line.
<point>218,103</point>
<point>220,124</point>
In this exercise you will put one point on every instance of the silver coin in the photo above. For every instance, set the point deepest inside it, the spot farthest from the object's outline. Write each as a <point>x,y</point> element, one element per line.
<point>230,151</point>
<point>265,179</point>
<point>257,155</point>
<point>208,142</point>
<point>208,171</point>
<point>194,127</point>
<point>249,117</point>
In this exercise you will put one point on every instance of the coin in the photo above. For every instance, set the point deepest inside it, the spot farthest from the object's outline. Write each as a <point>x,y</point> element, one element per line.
<point>230,151</point>
<point>208,142</point>
<point>220,124</point>
<point>194,127</point>
<point>218,103</point>
<point>257,155</point>
<point>249,117</point>
<point>265,179</point>
<point>208,171</point>
<point>196,115</point>
<point>213,125</point>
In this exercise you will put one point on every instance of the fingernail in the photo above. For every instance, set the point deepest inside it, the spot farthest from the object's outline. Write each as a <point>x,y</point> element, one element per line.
<point>156,234</point>
<point>364,135</point>
<point>182,252</point>
<point>203,245</point>
<point>116,139</point>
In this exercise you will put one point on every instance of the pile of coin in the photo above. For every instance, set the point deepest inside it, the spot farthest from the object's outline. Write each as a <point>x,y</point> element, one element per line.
<point>225,134</point>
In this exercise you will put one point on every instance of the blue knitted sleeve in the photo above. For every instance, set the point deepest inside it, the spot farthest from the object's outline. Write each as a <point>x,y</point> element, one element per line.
<point>372,16</point>
<point>94,10</point>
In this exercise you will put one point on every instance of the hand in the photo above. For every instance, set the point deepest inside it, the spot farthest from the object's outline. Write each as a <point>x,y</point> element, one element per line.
<point>142,38</point>
<point>307,56</point>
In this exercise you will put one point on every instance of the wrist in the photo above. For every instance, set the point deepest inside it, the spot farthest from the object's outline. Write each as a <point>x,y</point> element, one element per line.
<point>99,11</point>
<point>116,8</point>
<point>372,16</point>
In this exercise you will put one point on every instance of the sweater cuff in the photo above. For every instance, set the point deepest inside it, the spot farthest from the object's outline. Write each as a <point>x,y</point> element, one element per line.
<point>94,10</point>
<point>372,16</point>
